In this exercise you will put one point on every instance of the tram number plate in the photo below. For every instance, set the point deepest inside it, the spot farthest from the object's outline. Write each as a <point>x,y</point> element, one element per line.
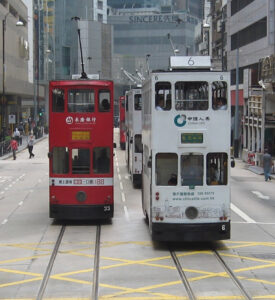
<point>107,208</point>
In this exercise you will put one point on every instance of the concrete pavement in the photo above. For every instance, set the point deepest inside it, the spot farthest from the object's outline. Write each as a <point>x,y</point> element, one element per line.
<point>23,146</point>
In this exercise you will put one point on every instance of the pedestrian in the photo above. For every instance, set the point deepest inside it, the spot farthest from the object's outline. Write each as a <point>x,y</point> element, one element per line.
<point>16,135</point>
<point>30,145</point>
<point>13,146</point>
<point>267,164</point>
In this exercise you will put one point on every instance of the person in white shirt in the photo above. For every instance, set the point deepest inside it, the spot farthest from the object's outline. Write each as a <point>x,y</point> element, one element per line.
<point>30,145</point>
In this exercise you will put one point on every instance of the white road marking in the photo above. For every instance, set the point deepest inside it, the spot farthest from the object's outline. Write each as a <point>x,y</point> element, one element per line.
<point>119,176</point>
<point>4,222</point>
<point>123,197</point>
<point>126,212</point>
<point>257,223</point>
<point>260,195</point>
<point>242,214</point>
<point>20,203</point>
<point>121,185</point>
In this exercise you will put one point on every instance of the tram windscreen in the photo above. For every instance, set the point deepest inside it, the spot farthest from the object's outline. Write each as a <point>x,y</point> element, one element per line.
<point>80,161</point>
<point>60,160</point>
<point>192,169</point>
<point>191,95</point>
<point>81,100</point>
<point>101,160</point>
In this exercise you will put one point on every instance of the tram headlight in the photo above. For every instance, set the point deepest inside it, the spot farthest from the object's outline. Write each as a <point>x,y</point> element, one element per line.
<point>81,196</point>
<point>191,212</point>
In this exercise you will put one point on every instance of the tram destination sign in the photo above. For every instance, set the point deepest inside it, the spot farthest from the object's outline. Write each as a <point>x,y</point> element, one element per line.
<point>192,138</point>
<point>81,135</point>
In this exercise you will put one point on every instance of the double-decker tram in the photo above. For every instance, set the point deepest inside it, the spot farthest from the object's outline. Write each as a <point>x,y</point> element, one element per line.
<point>122,129</point>
<point>133,144</point>
<point>81,149</point>
<point>186,151</point>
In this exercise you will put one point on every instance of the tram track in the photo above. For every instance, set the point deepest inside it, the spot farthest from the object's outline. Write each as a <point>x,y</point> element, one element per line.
<point>50,265</point>
<point>58,243</point>
<point>186,282</point>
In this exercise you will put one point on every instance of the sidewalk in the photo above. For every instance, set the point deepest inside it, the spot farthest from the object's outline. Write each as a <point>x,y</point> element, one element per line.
<point>255,169</point>
<point>23,146</point>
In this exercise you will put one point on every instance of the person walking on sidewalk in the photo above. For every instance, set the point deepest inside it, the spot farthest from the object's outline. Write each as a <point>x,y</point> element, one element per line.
<point>267,164</point>
<point>13,146</point>
<point>30,145</point>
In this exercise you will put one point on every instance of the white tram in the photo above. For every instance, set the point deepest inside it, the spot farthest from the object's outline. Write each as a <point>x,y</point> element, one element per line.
<point>133,137</point>
<point>186,151</point>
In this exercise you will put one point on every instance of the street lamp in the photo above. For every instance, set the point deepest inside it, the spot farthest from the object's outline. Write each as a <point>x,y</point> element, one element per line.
<point>3,110</point>
<point>206,27</point>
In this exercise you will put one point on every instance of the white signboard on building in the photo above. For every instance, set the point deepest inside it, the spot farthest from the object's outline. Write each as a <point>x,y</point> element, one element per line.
<point>12,119</point>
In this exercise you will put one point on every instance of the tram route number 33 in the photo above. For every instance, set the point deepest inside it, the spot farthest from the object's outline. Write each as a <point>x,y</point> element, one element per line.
<point>107,208</point>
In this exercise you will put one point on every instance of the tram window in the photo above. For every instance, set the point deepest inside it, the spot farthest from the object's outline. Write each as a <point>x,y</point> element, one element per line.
<point>163,96</point>
<point>80,161</point>
<point>60,161</point>
<point>126,101</point>
<point>138,144</point>
<point>101,160</point>
<point>192,169</point>
<point>191,95</point>
<point>81,100</point>
<point>219,95</point>
<point>166,167</point>
<point>216,172</point>
<point>58,103</point>
<point>104,101</point>
<point>137,101</point>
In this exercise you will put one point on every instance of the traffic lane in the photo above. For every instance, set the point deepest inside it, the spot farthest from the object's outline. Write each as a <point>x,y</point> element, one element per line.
<point>25,209</point>
<point>73,268</point>
<point>245,197</point>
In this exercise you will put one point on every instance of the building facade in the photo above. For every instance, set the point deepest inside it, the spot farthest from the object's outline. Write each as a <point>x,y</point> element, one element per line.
<point>250,38</point>
<point>15,88</point>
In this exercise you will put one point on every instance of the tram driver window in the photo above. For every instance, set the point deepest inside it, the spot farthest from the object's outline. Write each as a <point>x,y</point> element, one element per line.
<point>81,100</point>
<point>104,101</point>
<point>81,161</point>
<point>166,168</point>
<point>60,160</point>
<point>137,101</point>
<point>219,95</point>
<point>163,96</point>
<point>58,103</point>
<point>101,160</point>
<point>191,169</point>
<point>191,95</point>
<point>216,172</point>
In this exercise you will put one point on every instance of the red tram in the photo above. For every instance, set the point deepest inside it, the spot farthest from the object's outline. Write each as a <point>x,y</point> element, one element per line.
<point>122,133</point>
<point>81,149</point>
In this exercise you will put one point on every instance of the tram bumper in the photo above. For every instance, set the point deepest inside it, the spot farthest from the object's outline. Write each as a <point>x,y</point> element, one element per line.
<point>190,232</point>
<point>81,212</point>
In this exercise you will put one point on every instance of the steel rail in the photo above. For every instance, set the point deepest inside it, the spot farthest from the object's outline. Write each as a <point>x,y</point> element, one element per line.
<point>50,265</point>
<point>232,275</point>
<point>183,276</point>
<point>96,264</point>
